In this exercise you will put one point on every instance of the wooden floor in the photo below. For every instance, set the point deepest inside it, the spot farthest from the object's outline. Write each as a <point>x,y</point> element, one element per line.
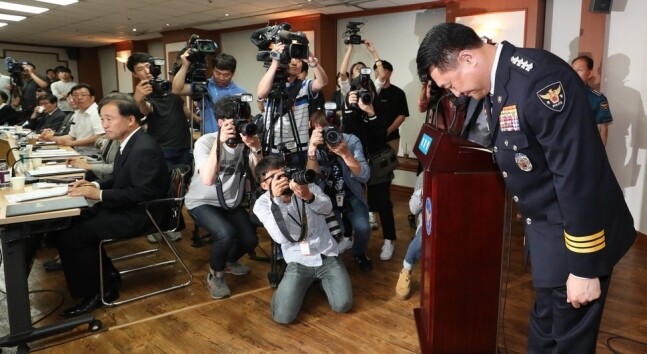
<point>189,321</point>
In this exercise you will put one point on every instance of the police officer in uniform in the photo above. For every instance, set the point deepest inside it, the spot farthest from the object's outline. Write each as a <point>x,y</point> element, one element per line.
<point>583,66</point>
<point>577,223</point>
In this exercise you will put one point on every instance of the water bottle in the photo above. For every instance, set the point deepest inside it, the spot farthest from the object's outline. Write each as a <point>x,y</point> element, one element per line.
<point>5,174</point>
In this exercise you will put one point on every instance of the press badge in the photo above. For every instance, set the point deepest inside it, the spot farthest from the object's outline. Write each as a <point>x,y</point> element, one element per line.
<point>340,200</point>
<point>305,248</point>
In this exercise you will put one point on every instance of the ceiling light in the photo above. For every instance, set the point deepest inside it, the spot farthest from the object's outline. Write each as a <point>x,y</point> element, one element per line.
<point>22,8</point>
<point>2,24</point>
<point>59,2</point>
<point>134,29</point>
<point>5,17</point>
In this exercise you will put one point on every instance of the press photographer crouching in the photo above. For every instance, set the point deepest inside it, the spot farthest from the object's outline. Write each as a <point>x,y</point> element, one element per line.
<point>223,162</point>
<point>295,217</point>
<point>339,157</point>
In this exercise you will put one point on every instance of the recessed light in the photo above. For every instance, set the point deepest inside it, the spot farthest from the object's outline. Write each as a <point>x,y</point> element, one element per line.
<point>226,15</point>
<point>59,2</point>
<point>5,17</point>
<point>22,8</point>
<point>134,29</point>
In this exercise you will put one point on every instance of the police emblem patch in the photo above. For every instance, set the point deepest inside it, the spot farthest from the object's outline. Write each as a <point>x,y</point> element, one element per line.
<point>604,106</point>
<point>509,119</point>
<point>523,162</point>
<point>553,96</point>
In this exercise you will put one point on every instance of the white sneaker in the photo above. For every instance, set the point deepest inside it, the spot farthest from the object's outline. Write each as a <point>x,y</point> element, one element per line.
<point>173,236</point>
<point>387,251</point>
<point>345,244</point>
<point>372,220</point>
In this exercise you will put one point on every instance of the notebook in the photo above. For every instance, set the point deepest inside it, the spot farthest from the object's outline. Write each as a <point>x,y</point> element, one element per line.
<point>43,206</point>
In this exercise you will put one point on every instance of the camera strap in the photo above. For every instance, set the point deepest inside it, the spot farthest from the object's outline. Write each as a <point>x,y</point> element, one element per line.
<point>280,221</point>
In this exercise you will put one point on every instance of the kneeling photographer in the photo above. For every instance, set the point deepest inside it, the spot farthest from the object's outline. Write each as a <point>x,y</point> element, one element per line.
<point>166,114</point>
<point>366,119</point>
<point>339,158</point>
<point>294,212</point>
<point>222,164</point>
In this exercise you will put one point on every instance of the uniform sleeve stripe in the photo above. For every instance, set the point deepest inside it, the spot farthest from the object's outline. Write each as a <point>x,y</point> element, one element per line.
<point>585,250</point>
<point>585,244</point>
<point>584,238</point>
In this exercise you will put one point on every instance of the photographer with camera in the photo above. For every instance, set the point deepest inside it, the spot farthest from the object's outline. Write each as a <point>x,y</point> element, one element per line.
<point>339,158</point>
<point>31,82</point>
<point>223,162</point>
<point>220,85</point>
<point>294,215</point>
<point>366,120</point>
<point>298,93</point>
<point>166,114</point>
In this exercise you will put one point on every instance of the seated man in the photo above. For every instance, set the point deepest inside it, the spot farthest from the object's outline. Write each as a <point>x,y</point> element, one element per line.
<point>295,217</point>
<point>87,123</point>
<point>139,174</point>
<point>46,115</point>
<point>215,194</point>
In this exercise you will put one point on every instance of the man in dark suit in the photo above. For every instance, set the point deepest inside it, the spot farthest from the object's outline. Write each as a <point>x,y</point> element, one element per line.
<point>547,145</point>
<point>139,174</point>
<point>7,112</point>
<point>46,115</point>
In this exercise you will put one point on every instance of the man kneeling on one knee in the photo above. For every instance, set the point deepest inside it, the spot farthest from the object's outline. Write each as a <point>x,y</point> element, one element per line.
<point>294,216</point>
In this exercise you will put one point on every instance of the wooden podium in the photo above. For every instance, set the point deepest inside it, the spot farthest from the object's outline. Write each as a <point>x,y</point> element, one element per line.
<point>462,235</point>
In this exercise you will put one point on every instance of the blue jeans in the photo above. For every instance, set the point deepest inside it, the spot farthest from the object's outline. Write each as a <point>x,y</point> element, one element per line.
<point>288,298</point>
<point>357,215</point>
<point>233,233</point>
<point>177,157</point>
<point>414,251</point>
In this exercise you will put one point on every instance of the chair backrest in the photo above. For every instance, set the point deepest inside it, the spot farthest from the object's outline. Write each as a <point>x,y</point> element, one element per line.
<point>178,176</point>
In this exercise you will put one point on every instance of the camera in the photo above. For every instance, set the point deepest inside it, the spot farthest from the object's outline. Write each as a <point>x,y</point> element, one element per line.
<point>198,50</point>
<point>363,87</point>
<point>351,35</point>
<point>331,135</point>
<point>296,43</point>
<point>241,122</point>
<point>300,176</point>
<point>161,87</point>
<point>15,69</point>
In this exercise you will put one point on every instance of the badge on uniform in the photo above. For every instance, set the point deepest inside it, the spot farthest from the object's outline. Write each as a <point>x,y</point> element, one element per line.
<point>553,96</point>
<point>523,162</point>
<point>509,119</point>
<point>604,105</point>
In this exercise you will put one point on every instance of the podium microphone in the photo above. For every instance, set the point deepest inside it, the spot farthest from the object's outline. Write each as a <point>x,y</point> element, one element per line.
<point>434,118</point>
<point>458,101</point>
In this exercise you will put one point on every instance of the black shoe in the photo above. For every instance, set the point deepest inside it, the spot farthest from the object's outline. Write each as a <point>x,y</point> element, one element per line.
<point>90,303</point>
<point>365,264</point>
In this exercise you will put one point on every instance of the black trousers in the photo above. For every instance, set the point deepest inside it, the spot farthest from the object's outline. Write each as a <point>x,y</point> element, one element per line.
<point>379,200</point>
<point>557,327</point>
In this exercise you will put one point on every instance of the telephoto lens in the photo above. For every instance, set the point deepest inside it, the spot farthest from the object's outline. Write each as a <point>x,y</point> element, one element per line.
<point>300,176</point>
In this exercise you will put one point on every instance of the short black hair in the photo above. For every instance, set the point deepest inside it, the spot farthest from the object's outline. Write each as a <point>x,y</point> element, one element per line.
<point>231,107</point>
<point>81,86</point>
<point>125,104</point>
<point>4,96</point>
<point>224,61</point>
<point>62,69</point>
<point>267,164</point>
<point>385,65</point>
<point>587,59</point>
<point>137,58</point>
<point>48,70</point>
<point>50,98</point>
<point>441,46</point>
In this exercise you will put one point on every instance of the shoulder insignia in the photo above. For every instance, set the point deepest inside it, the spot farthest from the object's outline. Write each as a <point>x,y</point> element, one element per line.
<point>596,92</point>
<point>522,63</point>
<point>604,106</point>
<point>553,96</point>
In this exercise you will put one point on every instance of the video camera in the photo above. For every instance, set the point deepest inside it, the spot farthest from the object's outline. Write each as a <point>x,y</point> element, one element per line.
<point>296,43</point>
<point>198,50</point>
<point>242,123</point>
<point>161,87</point>
<point>364,92</point>
<point>15,70</point>
<point>351,35</point>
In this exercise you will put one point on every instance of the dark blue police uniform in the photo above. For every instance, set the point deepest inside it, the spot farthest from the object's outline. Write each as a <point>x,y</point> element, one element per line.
<point>599,105</point>
<point>554,164</point>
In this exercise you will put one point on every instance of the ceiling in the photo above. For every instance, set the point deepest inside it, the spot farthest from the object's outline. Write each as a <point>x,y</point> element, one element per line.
<point>91,23</point>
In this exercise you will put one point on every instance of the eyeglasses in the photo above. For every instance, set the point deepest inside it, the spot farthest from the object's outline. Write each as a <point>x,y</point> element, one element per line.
<point>79,95</point>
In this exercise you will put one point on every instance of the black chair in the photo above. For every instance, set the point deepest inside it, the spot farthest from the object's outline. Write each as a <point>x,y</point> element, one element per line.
<point>165,216</point>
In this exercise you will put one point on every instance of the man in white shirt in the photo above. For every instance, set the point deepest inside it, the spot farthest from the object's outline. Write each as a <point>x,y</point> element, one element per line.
<point>62,87</point>
<point>86,127</point>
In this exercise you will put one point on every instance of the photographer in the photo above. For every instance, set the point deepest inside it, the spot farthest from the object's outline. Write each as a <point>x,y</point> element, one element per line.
<point>214,198</point>
<point>367,122</point>
<point>166,113</point>
<point>31,83</point>
<point>343,166</point>
<point>309,90</point>
<point>295,217</point>
<point>344,80</point>
<point>218,86</point>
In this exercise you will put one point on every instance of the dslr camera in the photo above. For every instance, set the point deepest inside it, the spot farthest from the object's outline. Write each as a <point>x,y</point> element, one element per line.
<point>364,92</point>
<point>242,123</point>
<point>296,43</point>
<point>300,176</point>
<point>351,35</point>
<point>161,87</point>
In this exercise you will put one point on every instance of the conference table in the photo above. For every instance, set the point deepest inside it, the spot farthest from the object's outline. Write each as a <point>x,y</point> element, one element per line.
<point>18,253</point>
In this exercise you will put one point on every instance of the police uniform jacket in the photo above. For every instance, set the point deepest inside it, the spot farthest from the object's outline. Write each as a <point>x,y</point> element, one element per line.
<point>548,148</point>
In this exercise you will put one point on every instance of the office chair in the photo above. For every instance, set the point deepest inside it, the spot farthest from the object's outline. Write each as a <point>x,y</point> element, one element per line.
<point>169,221</point>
